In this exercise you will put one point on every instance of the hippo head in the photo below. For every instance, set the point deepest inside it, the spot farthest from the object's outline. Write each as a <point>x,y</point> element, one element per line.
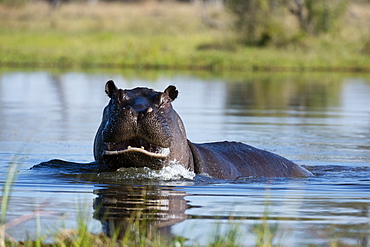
<point>141,129</point>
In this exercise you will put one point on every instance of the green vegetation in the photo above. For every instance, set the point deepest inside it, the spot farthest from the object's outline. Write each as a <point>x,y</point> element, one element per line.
<point>169,35</point>
<point>264,22</point>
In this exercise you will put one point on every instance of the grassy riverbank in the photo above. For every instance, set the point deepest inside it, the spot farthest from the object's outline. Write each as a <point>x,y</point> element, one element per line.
<point>166,36</point>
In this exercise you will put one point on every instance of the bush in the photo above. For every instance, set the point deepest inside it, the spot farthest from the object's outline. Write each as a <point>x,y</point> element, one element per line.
<point>318,16</point>
<point>256,20</point>
<point>262,22</point>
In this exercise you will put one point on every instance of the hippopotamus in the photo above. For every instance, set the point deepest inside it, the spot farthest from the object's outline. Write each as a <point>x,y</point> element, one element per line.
<point>140,128</point>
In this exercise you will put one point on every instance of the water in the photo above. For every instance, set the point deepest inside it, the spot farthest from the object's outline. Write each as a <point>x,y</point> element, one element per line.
<point>320,121</point>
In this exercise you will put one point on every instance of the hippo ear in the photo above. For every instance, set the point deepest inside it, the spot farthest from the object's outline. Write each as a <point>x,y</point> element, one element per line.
<point>110,88</point>
<point>172,92</point>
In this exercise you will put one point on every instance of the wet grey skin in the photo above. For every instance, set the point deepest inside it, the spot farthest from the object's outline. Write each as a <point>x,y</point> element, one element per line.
<point>140,128</point>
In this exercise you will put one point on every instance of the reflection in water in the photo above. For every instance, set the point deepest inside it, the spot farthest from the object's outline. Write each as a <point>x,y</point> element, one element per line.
<point>293,93</point>
<point>119,207</point>
<point>130,197</point>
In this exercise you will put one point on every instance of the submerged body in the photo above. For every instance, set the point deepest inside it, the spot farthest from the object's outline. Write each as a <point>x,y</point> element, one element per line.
<point>141,129</point>
<point>231,160</point>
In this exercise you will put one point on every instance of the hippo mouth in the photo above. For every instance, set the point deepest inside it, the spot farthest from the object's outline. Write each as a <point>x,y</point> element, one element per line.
<point>136,145</point>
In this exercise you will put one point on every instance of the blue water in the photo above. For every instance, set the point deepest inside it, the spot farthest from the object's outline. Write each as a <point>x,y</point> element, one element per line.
<point>320,121</point>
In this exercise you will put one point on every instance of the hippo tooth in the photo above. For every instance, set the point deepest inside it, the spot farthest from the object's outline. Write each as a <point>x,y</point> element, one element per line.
<point>110,146</point>
<point>129,147</point>
<point>162,153</point>
<point>142,147</point>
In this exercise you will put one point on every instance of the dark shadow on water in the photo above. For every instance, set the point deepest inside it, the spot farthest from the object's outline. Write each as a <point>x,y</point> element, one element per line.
<point>125,208</point>
<point>124,203</point>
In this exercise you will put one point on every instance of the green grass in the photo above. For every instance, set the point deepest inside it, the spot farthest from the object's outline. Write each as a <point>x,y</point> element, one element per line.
<point>150,36</point>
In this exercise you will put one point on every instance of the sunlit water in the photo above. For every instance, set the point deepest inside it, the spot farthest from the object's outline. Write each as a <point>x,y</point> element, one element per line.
<point>321,121</point>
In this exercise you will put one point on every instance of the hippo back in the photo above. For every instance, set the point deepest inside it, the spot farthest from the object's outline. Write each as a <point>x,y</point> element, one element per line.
<point>230,160</point>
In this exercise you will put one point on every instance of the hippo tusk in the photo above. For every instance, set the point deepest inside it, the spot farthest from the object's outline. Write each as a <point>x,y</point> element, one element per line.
<point>162,153</point>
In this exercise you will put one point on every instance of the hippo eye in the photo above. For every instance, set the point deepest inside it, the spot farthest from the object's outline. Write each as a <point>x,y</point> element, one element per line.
<point>165,100</point>
<point>120,98</point>
<point>161,100</point>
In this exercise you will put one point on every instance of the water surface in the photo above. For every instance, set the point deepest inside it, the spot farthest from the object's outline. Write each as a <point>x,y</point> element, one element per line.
<point>320,121</point>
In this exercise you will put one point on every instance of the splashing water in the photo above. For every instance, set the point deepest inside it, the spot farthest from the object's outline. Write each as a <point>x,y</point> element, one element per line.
<point>174,171</point>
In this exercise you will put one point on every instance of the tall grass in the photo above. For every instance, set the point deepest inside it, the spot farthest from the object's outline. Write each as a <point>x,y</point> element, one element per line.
<point>6,192</point>
<point>163,35</point>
